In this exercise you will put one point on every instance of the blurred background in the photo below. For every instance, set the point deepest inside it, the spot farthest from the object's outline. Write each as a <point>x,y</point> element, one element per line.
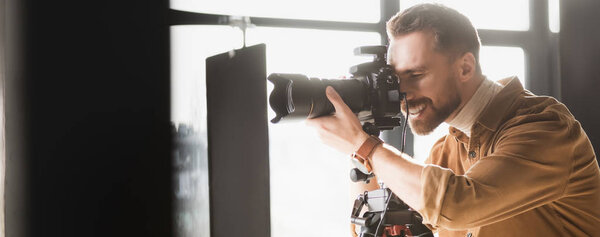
<point>106,105</point>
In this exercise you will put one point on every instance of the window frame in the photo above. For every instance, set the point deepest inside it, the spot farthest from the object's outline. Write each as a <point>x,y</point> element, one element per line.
<point>538,42</point>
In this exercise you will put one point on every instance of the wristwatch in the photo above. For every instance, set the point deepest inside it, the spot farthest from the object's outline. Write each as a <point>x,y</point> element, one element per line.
<point>360,158</point>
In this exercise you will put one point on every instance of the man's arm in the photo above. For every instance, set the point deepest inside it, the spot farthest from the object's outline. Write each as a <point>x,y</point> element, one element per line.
<point>343,132</point>
<point>400,173</point>
<point>529,168</point>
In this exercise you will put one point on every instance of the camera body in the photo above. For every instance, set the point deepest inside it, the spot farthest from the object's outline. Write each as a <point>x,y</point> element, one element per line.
<point>373,93</point>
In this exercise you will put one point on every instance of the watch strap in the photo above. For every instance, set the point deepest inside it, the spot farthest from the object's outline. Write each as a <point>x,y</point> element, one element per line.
<point>363,154</point>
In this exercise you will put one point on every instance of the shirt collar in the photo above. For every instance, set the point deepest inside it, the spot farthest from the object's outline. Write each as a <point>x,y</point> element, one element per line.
<point>468,115</point>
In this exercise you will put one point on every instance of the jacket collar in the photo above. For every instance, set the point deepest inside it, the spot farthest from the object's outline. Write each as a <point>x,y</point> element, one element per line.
<point>497,110</point>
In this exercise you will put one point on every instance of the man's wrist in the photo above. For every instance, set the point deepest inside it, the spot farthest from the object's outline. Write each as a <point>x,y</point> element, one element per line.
<point>362,157</point>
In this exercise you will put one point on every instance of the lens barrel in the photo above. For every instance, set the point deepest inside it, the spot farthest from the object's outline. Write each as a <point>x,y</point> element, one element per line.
<point>297,97</point>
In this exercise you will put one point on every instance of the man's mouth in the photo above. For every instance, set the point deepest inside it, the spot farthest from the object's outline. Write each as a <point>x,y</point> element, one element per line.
<point>415,111</point>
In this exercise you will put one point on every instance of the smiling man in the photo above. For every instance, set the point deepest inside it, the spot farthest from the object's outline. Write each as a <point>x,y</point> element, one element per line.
<point>513,164</point>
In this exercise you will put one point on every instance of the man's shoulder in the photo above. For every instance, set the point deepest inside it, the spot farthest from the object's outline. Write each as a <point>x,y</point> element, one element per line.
<point>542,124</point>
<point>531,108</point>
<point>529,103</point>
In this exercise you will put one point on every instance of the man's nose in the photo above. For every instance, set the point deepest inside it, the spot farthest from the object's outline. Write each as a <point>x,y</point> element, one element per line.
<point>406,90</point>
<point>409,96</point>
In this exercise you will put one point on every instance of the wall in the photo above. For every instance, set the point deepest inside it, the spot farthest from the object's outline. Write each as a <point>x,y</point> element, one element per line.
<point>579,57</point>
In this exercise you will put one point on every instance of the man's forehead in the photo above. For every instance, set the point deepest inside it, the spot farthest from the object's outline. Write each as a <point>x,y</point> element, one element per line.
<point>410,51</point>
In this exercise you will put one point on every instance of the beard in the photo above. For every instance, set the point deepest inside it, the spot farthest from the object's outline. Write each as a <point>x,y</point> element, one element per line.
<point>432,116</point>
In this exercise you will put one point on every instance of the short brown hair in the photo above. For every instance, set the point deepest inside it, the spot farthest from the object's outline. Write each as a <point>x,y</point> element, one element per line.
<point>454,33</point>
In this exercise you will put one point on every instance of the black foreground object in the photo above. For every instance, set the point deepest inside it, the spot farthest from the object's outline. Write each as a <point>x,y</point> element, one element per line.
<point>238,143</point>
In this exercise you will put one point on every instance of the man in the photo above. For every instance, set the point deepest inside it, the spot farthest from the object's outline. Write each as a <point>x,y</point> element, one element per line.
<point>513,164</point>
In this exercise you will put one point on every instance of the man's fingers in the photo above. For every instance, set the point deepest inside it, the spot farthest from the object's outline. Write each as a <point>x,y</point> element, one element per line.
<point>319,122</point>
<point>336,100</point>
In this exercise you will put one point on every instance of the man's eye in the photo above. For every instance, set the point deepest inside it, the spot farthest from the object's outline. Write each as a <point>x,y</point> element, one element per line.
<point>416,76</point>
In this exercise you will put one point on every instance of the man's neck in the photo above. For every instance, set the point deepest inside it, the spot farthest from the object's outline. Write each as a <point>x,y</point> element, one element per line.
<point>468,114</point>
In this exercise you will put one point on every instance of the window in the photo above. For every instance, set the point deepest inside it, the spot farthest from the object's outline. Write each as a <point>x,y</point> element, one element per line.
<point>189,49</point>
<point>308,199</point>
<point>332,10</point>
<point>501,62</point>
<point>554,15</point>
<point>316,53</point>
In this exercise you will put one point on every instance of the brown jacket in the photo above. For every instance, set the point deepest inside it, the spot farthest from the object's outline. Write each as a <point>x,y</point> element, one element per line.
<point>529,169</point>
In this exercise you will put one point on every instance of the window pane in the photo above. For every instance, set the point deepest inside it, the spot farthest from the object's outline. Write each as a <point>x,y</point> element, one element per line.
<point>496,63</point>
<point>501,62</point>
<point>332,10</point>
<point>554,14</point>
<point>308,199</point>
<point>190,46</point>
<point>497,15</point>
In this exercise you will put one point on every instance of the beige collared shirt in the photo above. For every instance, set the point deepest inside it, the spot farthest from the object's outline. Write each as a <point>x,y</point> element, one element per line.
<point>528,169</point>
<point>467,116</point>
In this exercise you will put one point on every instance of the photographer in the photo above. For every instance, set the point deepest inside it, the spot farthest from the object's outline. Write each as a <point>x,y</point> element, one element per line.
<point>513,164</point>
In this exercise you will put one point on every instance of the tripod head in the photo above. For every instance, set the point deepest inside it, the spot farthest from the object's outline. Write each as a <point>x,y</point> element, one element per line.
<point>387,216</point>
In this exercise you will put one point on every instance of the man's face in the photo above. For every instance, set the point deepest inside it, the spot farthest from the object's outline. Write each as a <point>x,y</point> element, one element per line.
<point>428,78</point>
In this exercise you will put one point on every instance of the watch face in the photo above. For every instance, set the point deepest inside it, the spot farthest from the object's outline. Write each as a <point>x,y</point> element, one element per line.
<point>360,166</point>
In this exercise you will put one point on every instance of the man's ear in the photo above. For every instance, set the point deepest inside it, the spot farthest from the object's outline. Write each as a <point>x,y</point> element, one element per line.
<point>467,66</point>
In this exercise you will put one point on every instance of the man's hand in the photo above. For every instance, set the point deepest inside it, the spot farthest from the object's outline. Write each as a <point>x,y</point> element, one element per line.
<point>342,130</point>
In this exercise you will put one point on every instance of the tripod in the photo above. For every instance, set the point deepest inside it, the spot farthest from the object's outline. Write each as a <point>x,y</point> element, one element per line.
<point>387,215</point>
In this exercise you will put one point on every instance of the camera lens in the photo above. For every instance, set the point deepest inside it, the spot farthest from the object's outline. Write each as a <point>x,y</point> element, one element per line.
<point>298,97</point>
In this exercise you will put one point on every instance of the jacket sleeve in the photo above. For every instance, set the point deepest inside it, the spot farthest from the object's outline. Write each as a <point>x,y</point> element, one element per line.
<point>529,167</point>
